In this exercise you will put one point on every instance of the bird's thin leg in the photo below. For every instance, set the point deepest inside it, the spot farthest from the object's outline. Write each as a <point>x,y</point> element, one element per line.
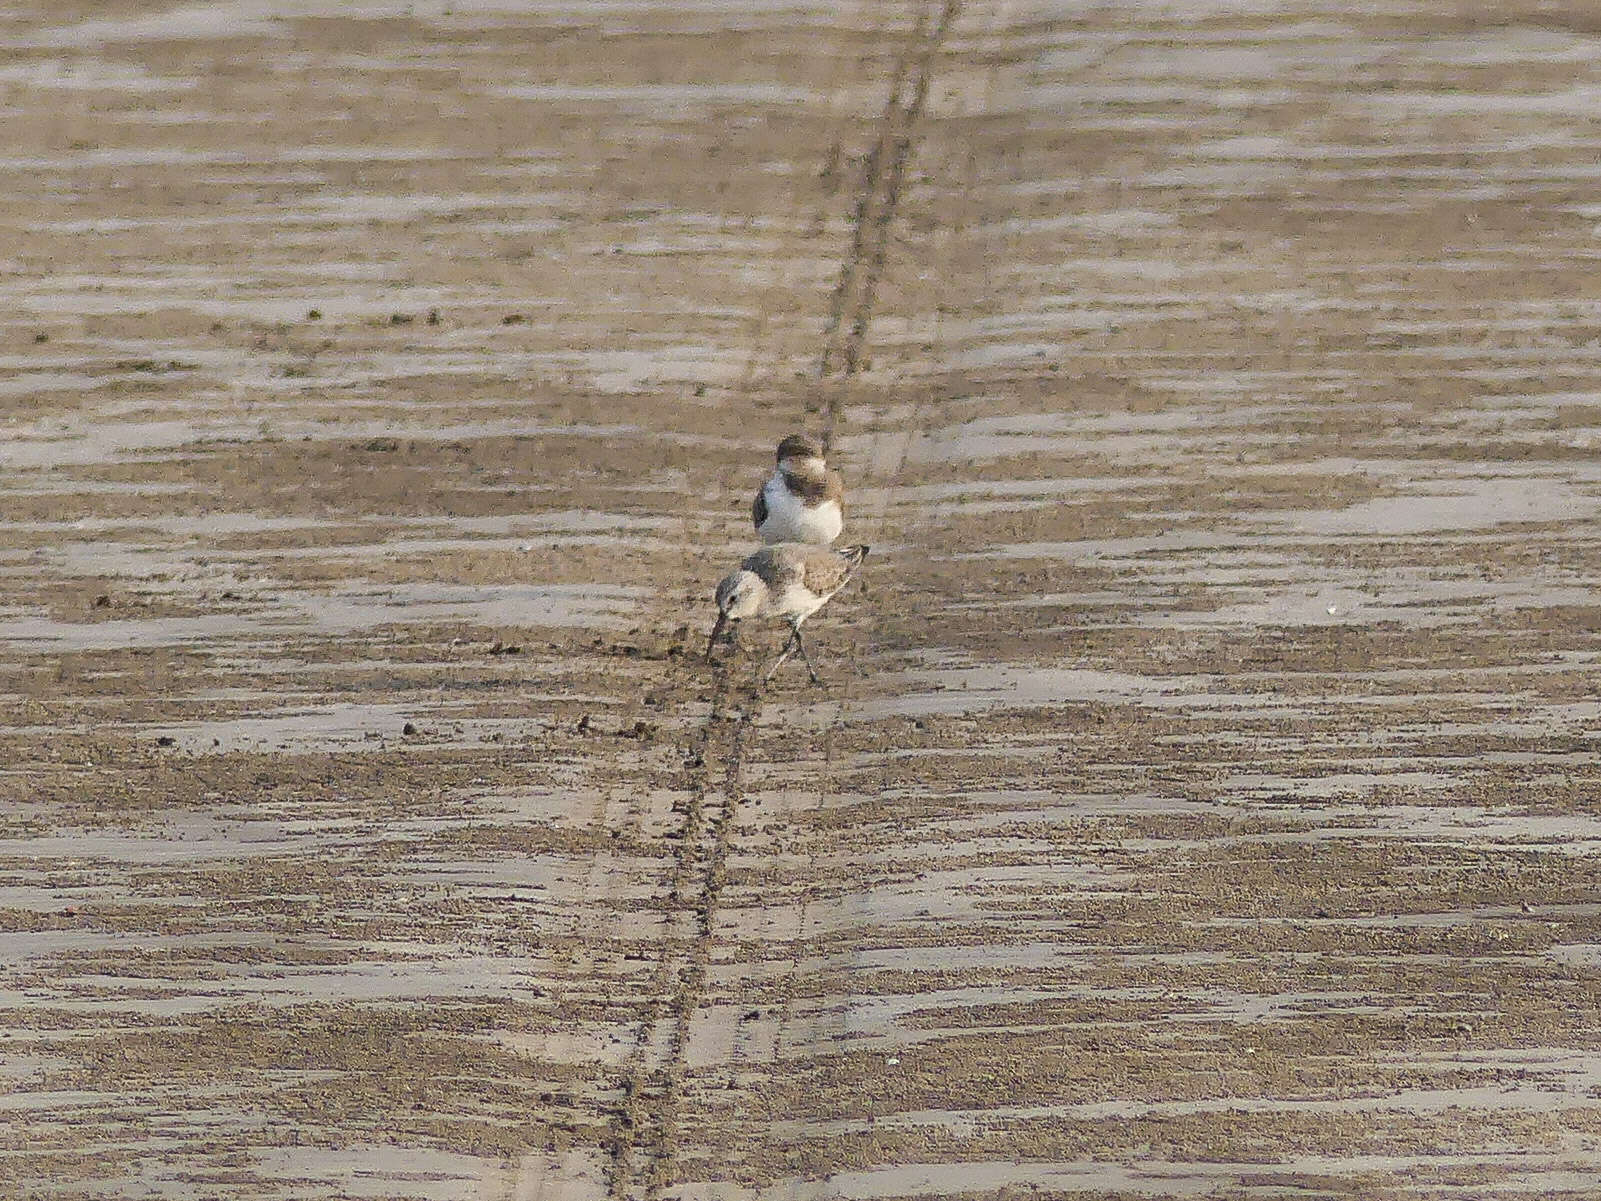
<point>805,658</point>
<point>789,648</point>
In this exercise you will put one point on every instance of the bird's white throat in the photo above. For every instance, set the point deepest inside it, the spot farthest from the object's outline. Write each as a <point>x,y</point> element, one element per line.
<point>804,465</point>
<point>791,519</point>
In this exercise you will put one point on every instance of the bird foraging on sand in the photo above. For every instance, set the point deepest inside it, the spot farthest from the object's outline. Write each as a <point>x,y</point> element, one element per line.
<point>788,580</point>
<point>802,501</point>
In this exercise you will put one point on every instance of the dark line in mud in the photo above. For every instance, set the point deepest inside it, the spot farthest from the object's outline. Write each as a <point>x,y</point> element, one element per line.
<point>692,979</point>
<point>871,170</point>
<point>647,1115</point>
<point>642,1139</point>
<point>883,178</point>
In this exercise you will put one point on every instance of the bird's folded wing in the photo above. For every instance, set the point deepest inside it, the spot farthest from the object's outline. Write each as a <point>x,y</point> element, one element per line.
<point>824,573</point>
<point>758,507</point>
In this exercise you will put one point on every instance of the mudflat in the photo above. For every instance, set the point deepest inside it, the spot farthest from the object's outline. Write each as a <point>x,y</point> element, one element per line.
<point>1203,798</point>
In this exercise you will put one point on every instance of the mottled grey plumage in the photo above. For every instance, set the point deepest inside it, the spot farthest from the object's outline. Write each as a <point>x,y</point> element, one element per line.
<point>790,580</point>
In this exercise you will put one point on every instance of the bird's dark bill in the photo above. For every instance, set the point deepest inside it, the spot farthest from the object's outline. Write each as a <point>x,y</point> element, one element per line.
<point>722,620</point>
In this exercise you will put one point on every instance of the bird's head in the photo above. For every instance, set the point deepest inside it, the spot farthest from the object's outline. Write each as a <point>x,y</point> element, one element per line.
<point>801,455</point>
<point>739,595</point>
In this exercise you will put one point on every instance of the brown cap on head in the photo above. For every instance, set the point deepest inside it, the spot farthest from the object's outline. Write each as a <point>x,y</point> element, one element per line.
<point>799,446</point>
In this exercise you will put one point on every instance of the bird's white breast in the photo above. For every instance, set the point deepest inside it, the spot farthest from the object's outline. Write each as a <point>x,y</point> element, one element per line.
<point>789,519</point>
<point>796,602</point>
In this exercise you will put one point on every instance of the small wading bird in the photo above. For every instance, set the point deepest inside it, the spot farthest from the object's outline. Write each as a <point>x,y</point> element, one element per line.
<point>789,580</point>
<point>802,501</point>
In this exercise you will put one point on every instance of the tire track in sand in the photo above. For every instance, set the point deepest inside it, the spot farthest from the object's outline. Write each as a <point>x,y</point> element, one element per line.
<point>878,200</point>
<point>642,1143</point>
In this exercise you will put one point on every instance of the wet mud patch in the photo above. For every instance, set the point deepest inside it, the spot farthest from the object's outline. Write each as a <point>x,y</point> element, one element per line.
<point>1200,799</point>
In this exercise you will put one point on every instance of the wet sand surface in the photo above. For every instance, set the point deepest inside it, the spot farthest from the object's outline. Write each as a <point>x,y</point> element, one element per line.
<point>1203,799</point>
